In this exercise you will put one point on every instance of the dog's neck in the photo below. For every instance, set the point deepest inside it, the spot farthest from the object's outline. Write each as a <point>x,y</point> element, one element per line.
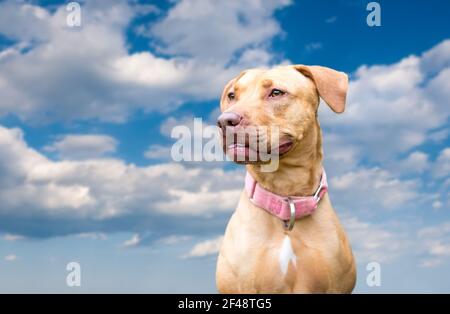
<point>299,171</point>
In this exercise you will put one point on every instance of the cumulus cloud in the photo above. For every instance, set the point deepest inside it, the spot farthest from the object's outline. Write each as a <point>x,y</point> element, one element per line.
<point>416,162</point>
<point>92,235</point>
<point>435,231</point>
<point>434,244</point>
<point>374,242</point>
<point>374,152</point>
<point>340,156</point>
<point>107,188</point>
<point>205,248</point>
<point>436,204</point>
<point>104,188</point>
<point>365,189</point>
<point>442,164</point>
<point>82,146</point>
<point>437,59</point>
<point>387,104</point>
<point>11,258</point>
<point>156,151</point>
<point>134,241</point>
<point>220,28</point>
<point>13,237</point>
<point>174,239</point>
<point>89,72</point>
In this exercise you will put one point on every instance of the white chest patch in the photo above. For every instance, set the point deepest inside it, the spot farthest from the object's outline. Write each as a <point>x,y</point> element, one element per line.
<point>286,255</point>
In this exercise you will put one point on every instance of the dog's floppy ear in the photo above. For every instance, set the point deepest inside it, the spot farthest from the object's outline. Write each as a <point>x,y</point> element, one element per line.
<point>331,84</point>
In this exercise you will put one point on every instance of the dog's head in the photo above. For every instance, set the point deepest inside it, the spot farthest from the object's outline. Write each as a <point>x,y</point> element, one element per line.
<point>285,98</point>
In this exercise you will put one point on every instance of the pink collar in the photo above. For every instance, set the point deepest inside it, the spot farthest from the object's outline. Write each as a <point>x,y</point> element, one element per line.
<point>287,208</point>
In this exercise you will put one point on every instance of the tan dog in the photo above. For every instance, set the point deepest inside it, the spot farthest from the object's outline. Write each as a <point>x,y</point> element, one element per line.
<point>258,254</point>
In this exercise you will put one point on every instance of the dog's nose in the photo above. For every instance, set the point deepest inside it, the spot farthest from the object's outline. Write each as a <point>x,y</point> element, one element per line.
<point>228,119</point>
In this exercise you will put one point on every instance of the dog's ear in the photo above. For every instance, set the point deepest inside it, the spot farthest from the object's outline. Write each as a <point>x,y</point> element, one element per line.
<point>331,84</point>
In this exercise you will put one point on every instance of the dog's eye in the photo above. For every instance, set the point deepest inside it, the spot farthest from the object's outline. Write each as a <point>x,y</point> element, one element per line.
<point>276,92</point>
<point>231,96</point>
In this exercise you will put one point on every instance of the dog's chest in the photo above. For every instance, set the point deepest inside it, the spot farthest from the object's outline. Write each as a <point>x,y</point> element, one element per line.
<point>259,266</point>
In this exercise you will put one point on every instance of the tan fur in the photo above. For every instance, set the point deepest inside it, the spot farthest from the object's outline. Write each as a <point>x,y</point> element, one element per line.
<point>249,257</point>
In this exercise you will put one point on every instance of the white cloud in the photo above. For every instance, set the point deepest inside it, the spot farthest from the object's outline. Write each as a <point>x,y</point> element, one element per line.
<point>11,258</point>
<point>174,239</point>
<point>387,241</point>
<point>434,243</point>
<point>205,248</point>
<point>92,235</point>
<point>101,188</point>
<point>340,156</point>
<point>196,202</point>
<point>440,249</point>
<point>436,204</point>
<point>13,237</point>
<point>32,20</point>
<point>134,241</point>
<point>221,27</point>
<point>437,58</point>
<point>156,151</point>
<point>372,242</point>
<point>429,263</point>
<point>90,74</point>
<point>373,188</point>
<point>82,146</point>
<point>168,124</point>
<point>387,104</point>
<point>416,162</point>
<point>188,121</point>
<point>442,165</point>
<point>434,231</point>
<point>392,111</point>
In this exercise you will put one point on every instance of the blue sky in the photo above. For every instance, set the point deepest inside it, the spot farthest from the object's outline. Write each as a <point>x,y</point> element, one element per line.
<point>86,114</point>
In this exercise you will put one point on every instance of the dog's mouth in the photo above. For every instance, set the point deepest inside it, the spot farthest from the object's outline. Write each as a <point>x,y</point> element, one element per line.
<point>285,146</point>
<point>242,153</point>
<point>246,153</point>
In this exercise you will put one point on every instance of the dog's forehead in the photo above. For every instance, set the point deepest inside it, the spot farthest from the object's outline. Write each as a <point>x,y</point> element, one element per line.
<point>249,77</point>
<point>284,75</point>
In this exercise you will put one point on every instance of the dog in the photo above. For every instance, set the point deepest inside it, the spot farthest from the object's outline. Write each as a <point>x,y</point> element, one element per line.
<point>284,236</point>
